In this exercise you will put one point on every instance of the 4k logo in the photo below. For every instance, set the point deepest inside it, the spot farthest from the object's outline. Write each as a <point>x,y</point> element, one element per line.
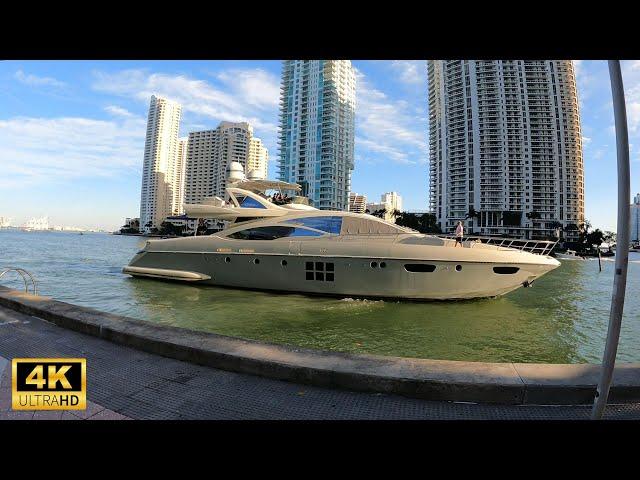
<point>49,384</point>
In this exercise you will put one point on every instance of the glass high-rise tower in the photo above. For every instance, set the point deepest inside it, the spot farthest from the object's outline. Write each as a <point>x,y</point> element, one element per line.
<point>317,129</point>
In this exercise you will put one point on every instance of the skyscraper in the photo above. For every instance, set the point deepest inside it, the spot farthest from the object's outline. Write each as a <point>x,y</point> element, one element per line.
<point>505,146</point>
<point>160,173</point>
<point>317,122</point>
<point>209,155</point>
<point>258,160</point>
<point>183,145</point>
<point>635,219</point>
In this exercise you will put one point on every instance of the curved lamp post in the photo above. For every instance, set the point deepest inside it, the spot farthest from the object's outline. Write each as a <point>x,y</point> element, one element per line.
<point>622,252</point>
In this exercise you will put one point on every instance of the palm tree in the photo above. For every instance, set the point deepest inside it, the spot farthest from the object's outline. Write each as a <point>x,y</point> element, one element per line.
<point>423,223</point>
<point>380,213</point>
<point>557,226</point>
<point>533,215</point>
<point>472,214</point>
<point>585,226</point>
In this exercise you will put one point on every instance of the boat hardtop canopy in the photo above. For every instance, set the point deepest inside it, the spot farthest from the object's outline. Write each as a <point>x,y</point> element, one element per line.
<point>243,202</point>
<point>260,185</point>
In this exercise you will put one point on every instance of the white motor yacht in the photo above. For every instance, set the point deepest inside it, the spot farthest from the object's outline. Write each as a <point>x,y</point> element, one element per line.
<point>293,247</point>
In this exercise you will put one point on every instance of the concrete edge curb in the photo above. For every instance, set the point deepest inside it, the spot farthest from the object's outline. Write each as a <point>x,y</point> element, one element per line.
<point>442,380</point>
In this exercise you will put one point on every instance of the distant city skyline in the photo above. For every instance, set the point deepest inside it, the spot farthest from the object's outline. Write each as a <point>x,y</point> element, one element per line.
<point>72,133</point>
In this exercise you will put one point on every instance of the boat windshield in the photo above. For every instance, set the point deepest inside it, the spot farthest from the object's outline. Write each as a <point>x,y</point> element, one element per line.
<point>331,224</point>
<point>248,202</point>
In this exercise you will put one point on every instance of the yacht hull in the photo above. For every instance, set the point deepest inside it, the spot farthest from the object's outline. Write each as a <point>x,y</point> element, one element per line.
<point>343,275</point>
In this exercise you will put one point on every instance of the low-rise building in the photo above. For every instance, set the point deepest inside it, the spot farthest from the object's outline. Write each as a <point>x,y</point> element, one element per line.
<point>357,203</point>
<point>189,224</point>
<point>389,202</point>
<point>132,223</point>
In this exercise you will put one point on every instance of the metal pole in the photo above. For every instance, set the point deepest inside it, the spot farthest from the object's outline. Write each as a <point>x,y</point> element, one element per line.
<point>622,253</point>
<point>599,259</point>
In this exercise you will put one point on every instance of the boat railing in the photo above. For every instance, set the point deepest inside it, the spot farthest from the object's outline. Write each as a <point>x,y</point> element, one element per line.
<point>539,247</point>
<point>26,277</point>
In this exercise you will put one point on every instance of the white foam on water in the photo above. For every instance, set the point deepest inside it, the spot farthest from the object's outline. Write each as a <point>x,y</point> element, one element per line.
<point>355,303</point>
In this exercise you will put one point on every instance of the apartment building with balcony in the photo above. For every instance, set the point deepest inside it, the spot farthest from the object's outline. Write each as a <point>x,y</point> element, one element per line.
<point>161,173</point>
<point>211,151</point>
<point>389,202</point>
<point>181,166</point>
<point>357,202</point>
<point>258,159</point>
<point>505,147</point>
<point>317,129</point>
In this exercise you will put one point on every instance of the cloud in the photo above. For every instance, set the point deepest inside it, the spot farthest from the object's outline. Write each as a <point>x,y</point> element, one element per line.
<point>35,81</point>
<point>257,87</point>
<point>249,95</point>
<point>411,71</point>
<point>387,151</point>
<point>118,111</point>
<point>389,127</point>
<point>49,150</point>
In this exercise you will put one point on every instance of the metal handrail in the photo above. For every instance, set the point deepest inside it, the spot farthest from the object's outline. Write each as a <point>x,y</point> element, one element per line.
<point>24,274</point>
<point>538,247</point>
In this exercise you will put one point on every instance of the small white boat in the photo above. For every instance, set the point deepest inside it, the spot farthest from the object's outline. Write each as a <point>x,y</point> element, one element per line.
<point>569,255</point>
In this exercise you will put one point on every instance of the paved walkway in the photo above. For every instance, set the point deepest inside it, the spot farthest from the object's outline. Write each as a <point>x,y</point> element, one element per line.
<point>126,383</point>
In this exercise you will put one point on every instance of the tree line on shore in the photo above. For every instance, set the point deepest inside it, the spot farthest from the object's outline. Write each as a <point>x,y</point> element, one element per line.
<point>587,239</point>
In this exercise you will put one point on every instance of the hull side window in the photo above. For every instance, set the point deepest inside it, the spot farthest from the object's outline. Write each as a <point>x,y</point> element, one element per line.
<point>505,270</point>
<point>419,267</point>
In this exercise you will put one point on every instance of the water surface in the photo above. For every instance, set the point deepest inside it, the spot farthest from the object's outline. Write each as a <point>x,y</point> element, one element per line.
<point>561,319</point>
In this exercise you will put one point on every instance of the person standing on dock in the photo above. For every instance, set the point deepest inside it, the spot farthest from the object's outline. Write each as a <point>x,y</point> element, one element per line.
<point>459,234</point>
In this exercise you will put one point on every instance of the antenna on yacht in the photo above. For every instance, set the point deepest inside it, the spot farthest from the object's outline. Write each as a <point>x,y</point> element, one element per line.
<point>622,254</point>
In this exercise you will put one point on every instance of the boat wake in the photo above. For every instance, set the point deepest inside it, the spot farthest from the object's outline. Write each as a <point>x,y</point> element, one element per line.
<point>355,303</point>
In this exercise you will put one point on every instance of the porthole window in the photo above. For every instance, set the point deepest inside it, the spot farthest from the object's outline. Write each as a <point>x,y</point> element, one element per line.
<point>256,261</point>
<point>383,265</point>
<point>227,259</point>
<point>458,268</point>
<point>374,264</point>
<point>283,263</point>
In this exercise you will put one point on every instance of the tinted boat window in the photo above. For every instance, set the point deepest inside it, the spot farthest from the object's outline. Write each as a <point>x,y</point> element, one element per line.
<point>248,202</point>
<point>326,224</point>
<point>419,267</point>
<point>505,270</point>
<point>272,233</point>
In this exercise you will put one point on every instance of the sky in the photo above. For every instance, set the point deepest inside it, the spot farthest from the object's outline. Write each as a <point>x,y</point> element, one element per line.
<point>72,132</point>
